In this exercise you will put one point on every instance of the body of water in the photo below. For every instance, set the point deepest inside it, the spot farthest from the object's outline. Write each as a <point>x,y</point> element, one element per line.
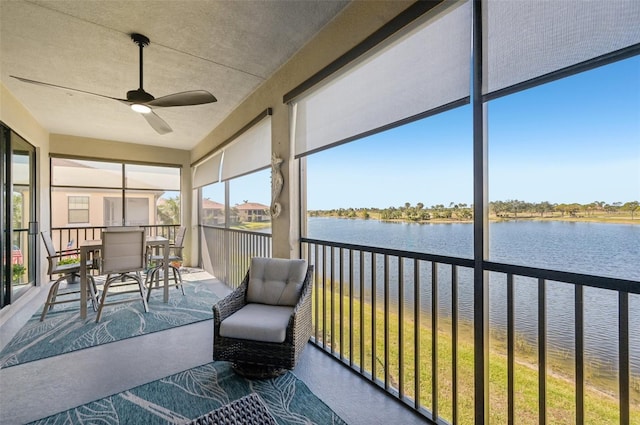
<point>601,249</point>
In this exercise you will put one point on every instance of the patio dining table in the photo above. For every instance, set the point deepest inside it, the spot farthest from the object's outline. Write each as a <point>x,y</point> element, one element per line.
<point>89,246</point>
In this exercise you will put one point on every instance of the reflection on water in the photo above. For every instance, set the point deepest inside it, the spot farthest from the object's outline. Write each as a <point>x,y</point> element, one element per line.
<point>608,250</point>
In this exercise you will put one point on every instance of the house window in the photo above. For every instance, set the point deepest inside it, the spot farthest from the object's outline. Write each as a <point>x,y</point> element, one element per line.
<point>78,209</point>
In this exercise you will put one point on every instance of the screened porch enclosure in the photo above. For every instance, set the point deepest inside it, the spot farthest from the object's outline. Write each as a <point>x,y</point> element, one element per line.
<point>423,325</point>
<point>451,120</point>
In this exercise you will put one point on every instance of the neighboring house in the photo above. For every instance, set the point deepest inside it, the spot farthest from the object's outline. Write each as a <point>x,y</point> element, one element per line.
<point>212,212</point>
<point>82,195</point>
<point>252,211</point>
<point>77,207</point>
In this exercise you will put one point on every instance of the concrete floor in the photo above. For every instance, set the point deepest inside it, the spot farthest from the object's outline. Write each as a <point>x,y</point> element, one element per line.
<point>41,388</point>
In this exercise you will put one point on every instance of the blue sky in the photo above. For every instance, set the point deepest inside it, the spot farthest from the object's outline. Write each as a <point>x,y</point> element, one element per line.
<point>572,140</point>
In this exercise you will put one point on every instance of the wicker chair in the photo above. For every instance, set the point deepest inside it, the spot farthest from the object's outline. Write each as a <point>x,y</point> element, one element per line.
<point>264,352</point>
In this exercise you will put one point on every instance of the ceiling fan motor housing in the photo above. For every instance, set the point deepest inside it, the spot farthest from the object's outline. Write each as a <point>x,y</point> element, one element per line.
<point>140,39</point>
<point>139,96</point>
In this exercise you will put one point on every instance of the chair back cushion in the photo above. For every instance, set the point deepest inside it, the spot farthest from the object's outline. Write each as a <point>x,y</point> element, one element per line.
<point>276,281</point>
<point>123,251</point>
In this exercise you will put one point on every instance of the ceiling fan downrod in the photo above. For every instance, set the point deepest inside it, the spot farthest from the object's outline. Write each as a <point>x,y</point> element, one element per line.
<point>142,41</point>
<point>140,96</point>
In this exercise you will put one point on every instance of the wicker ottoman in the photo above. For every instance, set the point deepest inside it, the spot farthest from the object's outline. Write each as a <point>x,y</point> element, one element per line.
<point>248,410</point>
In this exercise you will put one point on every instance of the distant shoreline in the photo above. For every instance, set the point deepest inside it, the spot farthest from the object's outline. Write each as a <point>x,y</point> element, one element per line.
<point>494,219</point>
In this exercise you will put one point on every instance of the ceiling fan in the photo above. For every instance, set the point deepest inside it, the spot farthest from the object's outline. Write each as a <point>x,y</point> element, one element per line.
<point>143,102</point>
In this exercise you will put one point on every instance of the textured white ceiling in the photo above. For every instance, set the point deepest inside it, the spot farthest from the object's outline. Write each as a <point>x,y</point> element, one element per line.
<point>225,47</point>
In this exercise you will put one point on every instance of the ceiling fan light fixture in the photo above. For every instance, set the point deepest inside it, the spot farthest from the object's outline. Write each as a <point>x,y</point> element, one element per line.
<point>143,109</point>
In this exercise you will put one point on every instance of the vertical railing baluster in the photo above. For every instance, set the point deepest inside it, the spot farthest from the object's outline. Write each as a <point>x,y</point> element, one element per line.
<point>318,293</point>
<point>234,249</point>
<point>324,296</point>
<point>387,370</point>
<point>542,352</point>
<point>238,264</point>
<point>340,306</point>
<point>254,249</point>
<point>434,339</point>
<point>332,297</point>
<point>416,331</point>
<point>236,257</point>
<point>351,283</point>
<point>401,328</point>
<point>244,251</point>
<point>373,318</point>
<point>510,350</point>
<point>579,335</point>
<point>623,353</point>
<point>239,253</point>
<point>242,242</point>
<point>362,327</point>
<point>454,347</point>
<point>229,250</point>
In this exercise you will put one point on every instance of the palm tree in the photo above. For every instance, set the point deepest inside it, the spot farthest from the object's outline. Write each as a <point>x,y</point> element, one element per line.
<point>169,211</point>
<point>631,207</point>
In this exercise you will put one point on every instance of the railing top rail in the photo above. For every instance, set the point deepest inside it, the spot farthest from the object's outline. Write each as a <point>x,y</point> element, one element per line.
<point>92,232</point>
<point>104,227</point>
<point>615,284</point>
<point>464,262</point>
<point>246,232</point>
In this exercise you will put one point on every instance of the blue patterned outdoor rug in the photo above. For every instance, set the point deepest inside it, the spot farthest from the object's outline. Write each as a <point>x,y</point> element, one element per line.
<point>63,331</point>
<point>180,398</point>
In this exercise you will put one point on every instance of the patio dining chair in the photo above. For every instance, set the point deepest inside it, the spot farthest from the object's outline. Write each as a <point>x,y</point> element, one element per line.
<point>175,256</point>
<point>122,259</point>
<point>66,271</point>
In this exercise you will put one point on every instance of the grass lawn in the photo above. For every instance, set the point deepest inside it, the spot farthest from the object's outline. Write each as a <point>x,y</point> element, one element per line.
<point>601,407</point>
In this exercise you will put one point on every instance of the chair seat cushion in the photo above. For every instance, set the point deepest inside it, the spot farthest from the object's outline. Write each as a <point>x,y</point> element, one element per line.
<point>258,322</point>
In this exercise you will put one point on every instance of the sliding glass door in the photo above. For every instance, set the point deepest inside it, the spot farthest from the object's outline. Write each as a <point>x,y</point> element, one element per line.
<point>18,224</point>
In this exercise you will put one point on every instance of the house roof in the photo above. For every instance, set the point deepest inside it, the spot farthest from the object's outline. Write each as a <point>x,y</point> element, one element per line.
<point>251,206</point>
<point>212,205</point>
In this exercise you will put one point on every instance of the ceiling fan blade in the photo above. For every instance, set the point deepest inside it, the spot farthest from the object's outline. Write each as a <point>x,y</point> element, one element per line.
<point>187,98</point>
<point>40,83</point>
<point>157,123</point>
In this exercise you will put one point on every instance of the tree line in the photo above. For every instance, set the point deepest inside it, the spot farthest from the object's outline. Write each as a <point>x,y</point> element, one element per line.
<point>512,208</point>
